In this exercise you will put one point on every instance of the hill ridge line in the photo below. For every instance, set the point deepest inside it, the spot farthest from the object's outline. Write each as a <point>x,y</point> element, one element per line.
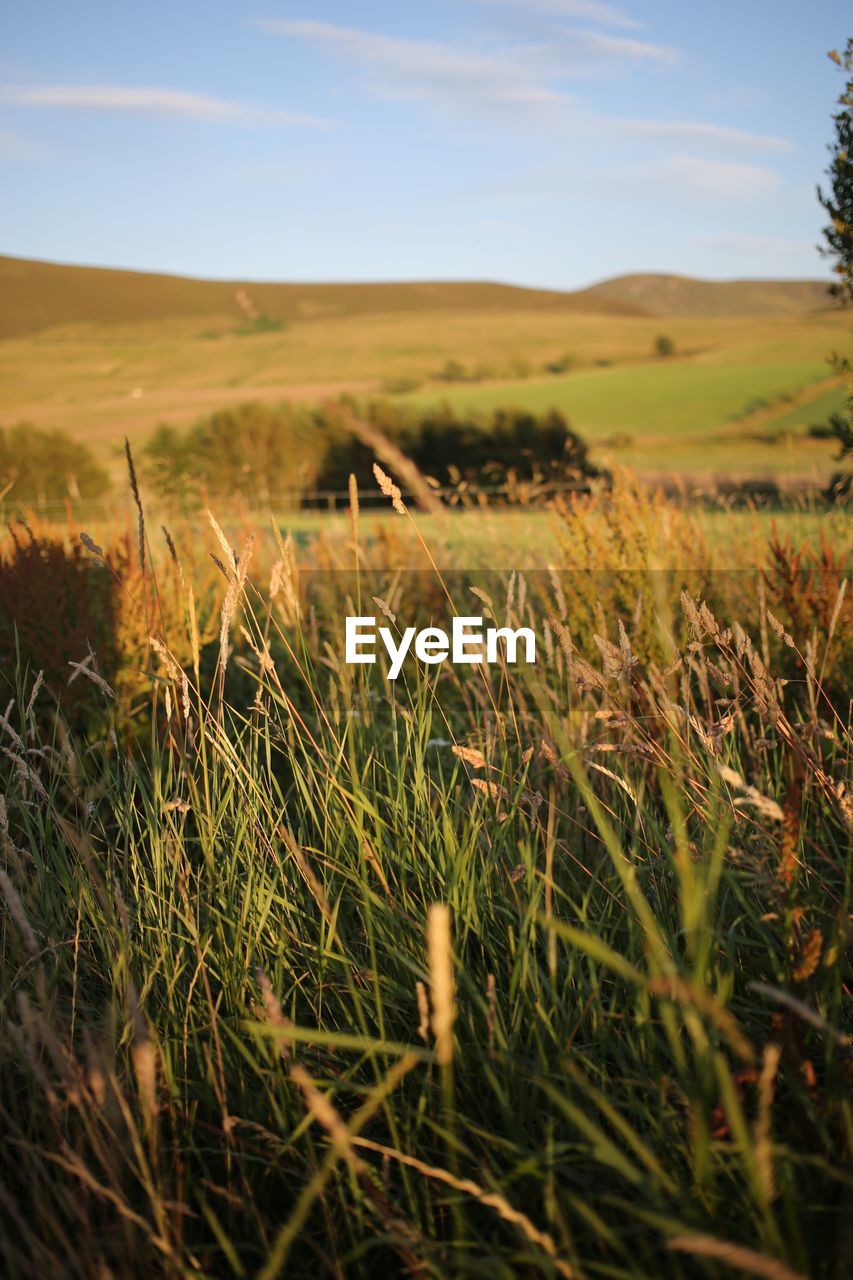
<point>38,294</point>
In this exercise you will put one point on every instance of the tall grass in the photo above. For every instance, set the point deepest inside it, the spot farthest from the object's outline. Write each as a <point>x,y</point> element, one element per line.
<point>486,971</point>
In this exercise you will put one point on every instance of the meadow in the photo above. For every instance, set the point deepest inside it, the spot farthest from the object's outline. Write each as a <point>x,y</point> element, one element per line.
<point>540,972</point>
<point>532,970</point>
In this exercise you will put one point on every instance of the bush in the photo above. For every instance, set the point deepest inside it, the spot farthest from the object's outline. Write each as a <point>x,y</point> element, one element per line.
<point>664,346</point>
<point>563,364</point>
<point>453,371</point>
<point>39,467</point>
<point>486,451</point>
<point>254,451</point>
<point>259,452</point>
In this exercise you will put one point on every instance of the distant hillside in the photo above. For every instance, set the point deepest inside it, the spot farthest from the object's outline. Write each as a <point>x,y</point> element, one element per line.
<point>40,295</point>
<point>662,295</point>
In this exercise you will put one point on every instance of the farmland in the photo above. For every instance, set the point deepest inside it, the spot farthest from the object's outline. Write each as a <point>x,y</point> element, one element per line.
<point>738,395</point>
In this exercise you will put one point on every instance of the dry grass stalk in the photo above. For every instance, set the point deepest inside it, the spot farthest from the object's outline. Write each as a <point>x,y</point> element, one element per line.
<point>85,668</point>
<point>389,453</point>
<point>317,890</point>
<point>809,955</point>
<point>173,670</point>
<point>145,1069</point>
<point>232,599</point>
<point>789,862</point>
<point>801,1010</point>
<point>34,693</point>
<point>491,1013</point>
<point>227,549</point>
<point>402,1233</point>
<point>423,1012</point>
<point>91,545</point>
<point>491,1200</point>
<point>384,608</point>
<point>284,576</point>
<point>492,789</point>
<point>353,509</point>
<point>752,796</point>
<point>170,543</point>
<point>763,1141</point>
<point>17,741</point>
<point>737,1256</point>
<point>18,913</point>
<point>274,1012</point>
<point>27,776</point>
<point>441,981</point>
<point>389,489</point>
<point>134,488</point>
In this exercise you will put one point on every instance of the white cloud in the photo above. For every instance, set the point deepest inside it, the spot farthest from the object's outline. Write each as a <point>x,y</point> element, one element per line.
<point>430,70</point>
<point>578,50</point>
<point>512,81</point>
<point>695,133</point>
<point>587,10</point>
<point>173,103</point>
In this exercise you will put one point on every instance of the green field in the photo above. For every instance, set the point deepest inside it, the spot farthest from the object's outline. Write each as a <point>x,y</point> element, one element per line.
<point>685,414</point>
<point>103,355</point>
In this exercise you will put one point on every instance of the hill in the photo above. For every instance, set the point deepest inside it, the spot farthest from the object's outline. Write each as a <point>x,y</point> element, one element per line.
<point>664,295</point>
<point>44,295</point>
<point>41,295</point>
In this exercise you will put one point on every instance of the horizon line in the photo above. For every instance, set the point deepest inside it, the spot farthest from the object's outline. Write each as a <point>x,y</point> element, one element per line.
<point>416,280</point>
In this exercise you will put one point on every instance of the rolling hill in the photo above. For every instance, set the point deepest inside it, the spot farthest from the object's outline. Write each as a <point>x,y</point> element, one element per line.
<point>664,295</point>
<point>35,296</point>
<point>40,295</point>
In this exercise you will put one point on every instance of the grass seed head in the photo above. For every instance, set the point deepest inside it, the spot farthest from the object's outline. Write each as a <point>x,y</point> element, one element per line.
<point>441,981</point>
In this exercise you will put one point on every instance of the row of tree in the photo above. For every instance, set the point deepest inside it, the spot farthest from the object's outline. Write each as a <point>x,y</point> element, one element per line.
<point>261,452</point>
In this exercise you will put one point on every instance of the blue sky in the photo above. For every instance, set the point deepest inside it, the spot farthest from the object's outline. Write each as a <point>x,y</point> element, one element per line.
<point>547,142</point>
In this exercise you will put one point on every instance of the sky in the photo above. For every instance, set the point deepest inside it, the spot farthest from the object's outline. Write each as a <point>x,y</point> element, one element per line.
<point>540,142</point>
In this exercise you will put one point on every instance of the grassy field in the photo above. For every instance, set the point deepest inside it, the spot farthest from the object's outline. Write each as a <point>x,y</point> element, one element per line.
<point>126,373</point>
<point>724,411</point>
<point>507,538</point>
<point>491,970</point>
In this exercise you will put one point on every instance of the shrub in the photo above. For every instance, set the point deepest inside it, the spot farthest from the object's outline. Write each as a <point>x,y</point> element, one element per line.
<point>664,346</point>
<point>453,371</point>
<point>253,451</point>
<point>39,467</point>
<point>512,443</point>
<point>250,451</point>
